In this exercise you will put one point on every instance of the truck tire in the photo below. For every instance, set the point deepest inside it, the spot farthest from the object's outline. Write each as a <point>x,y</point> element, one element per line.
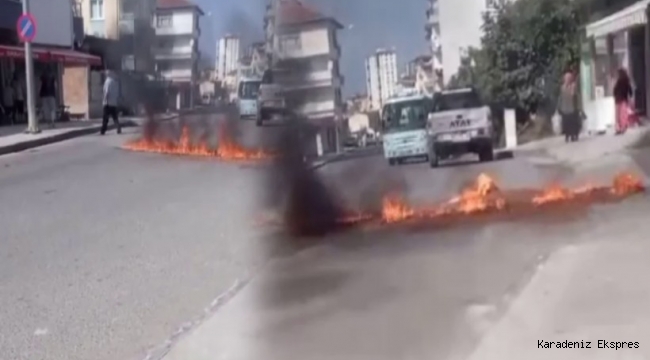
<point>392,162</point>
<point>434,159</point>
<point>486,154</point>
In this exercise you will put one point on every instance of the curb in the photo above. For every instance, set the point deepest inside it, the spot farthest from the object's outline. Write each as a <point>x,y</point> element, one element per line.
<point>345,157</point>
<point>73,133</point>
<point>47,140</point>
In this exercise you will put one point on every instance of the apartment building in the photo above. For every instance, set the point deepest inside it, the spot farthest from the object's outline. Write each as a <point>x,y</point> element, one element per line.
<point>452,29</point>
<point>227,55</point>
<point>177,49</point>
<point>381,76</point>
<point>129,22</point>
<point>254,62</point>
<point>305,55</point>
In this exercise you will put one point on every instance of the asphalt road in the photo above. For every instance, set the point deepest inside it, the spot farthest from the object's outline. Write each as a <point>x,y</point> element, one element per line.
<point>405,294</point>
<point>106,253</point>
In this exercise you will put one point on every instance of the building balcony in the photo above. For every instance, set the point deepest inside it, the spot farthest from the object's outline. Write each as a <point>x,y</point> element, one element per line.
<point>177,53</point>
<point>312,80</point>
<point>176,74</point>
<point>172,31</point>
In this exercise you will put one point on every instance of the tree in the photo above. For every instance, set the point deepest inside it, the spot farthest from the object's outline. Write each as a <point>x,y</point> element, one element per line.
<point>526,47</point>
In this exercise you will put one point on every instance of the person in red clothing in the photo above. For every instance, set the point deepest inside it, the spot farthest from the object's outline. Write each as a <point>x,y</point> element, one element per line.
<point>622,95</point>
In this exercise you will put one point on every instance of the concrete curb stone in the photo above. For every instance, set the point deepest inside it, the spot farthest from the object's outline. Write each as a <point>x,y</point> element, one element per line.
<point>65,135</point>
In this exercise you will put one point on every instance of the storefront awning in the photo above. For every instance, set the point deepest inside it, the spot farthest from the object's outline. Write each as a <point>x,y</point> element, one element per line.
<point>633,15</point>
<point>69,57</point>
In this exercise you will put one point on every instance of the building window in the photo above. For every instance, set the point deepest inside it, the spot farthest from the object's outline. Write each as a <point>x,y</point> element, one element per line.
<point>164,21</point>
<point>97,9</point>
<point>290,42</point>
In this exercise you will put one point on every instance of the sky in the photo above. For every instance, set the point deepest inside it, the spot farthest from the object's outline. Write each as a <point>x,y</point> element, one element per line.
<point>370,24</point>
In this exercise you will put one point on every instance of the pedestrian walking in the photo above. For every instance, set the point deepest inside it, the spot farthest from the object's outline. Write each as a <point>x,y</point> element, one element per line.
<point>111,102</point>
<point>19,98</point>
<point>47,94</point>
<point>570,108</point>
<point>8,97</point>
<point>622,95</point>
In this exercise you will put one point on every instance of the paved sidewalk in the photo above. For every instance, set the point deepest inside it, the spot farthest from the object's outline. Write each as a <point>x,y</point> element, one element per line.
<point>591,292</point>
<point>13,139</point>
<point>555,149</point>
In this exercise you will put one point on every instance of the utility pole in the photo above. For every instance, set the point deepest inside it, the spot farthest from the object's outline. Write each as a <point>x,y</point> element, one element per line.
<point>32,127</point>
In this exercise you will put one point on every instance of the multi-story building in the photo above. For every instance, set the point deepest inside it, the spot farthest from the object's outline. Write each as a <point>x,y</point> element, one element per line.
<point>130,23</point>
<point>458,28</point>
<point>177,50</point>
<point>305,54</point>
<point>381,76</point>
<point>227,55</point>
<point>432,28</point>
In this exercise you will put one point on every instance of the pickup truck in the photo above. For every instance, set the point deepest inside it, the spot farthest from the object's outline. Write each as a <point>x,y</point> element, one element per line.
<point>459,123</point>
<point>271,100</point>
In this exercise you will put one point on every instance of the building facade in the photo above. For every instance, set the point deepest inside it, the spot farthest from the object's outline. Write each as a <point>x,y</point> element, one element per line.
<point>130,23</point>
<point>451,30</point>
<point>177,49</point>
<point>227,55</point>
<point>619,40</point>
<point>432,29</point>
<point>305,55</point>
<point>57,50</point>
<point>381,76</point>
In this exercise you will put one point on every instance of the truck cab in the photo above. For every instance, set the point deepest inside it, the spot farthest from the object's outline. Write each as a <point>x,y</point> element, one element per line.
<point>460,123</point>
<point>404,127</point>
<point>271,99</point>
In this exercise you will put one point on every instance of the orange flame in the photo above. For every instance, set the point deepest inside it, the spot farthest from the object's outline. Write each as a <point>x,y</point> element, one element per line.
<point>226,149</point>
<point>485,196</point>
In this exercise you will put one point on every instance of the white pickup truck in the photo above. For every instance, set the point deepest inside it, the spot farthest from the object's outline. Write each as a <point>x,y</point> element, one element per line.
<point>271,101</point>
<point>459,123</point>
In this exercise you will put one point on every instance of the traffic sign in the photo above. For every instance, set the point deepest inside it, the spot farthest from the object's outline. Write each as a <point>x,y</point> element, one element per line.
<point>26,28</point>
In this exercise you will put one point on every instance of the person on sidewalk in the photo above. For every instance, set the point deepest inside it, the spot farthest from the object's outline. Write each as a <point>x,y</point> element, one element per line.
<point>19,98</point>
<point>47,94</point>
<point>111,102</point>
<point>569,108</point>
<point>622,94</point>
<point>8,97</point>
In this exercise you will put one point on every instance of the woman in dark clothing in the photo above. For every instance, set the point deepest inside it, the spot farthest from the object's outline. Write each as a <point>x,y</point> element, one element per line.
<point>622,94</point>
<point>570,108</point>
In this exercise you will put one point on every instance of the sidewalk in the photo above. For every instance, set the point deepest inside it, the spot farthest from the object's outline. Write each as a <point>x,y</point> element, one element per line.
<point>555,149</point>
<point>13,139</point>
<point>590,292</point>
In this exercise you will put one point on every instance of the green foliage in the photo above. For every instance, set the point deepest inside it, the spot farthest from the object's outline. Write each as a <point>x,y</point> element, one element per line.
<point>527,45</point>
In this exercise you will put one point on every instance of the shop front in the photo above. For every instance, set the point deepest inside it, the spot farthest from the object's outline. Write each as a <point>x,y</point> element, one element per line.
<point>58,62</point>
<point>614,42</point>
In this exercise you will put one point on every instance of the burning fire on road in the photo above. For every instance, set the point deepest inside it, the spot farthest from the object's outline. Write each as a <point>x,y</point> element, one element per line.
<point>484,197</point>
<point>225,149</point>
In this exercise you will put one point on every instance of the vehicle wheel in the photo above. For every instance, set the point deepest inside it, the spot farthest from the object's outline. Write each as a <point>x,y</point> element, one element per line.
<point>433,159</point>
<point>258,121</point>
<point>392,162</point>
<point>486,154</point>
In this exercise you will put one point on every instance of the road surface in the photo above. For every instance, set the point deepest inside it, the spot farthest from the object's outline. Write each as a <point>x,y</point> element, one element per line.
<point>106,253</point>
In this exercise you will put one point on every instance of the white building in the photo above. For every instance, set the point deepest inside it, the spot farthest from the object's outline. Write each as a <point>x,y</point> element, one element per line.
<point>381,76</point>
<point>176,50</point>
<point>452,29</point>
<point>432,28</point>
<point>305,41</point>
<point>227,56</point>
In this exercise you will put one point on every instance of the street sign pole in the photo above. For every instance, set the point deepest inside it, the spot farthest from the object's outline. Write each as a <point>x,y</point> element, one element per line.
<point>32,127</point>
